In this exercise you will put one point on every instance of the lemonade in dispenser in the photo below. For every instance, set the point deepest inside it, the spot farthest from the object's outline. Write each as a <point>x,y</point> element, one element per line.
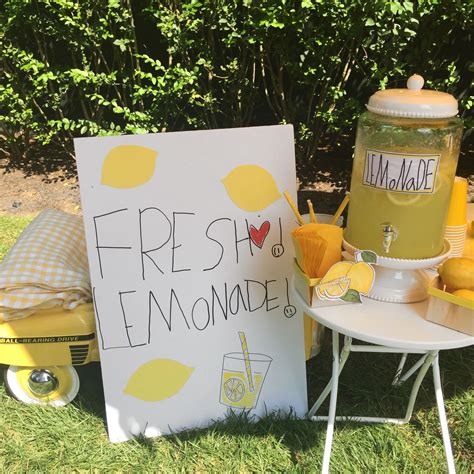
<point>405,160</point>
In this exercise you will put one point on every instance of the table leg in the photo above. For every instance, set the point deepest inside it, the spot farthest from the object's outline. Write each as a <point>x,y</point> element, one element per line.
<point>430,356</point>
<point>442,416</point>
<point>410,371</point>
<point>398,373</point>
<point>332,402</point>
<point>324,394</point>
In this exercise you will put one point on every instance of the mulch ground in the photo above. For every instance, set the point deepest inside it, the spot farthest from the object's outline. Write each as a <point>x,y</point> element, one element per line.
<point>324,181</point>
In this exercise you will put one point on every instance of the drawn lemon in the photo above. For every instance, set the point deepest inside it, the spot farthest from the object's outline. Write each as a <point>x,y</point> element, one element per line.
<point>234,389</point>
<point>251,187</point>
<point>158,379</point>
<point>361,276</point>
<point>128,166</point>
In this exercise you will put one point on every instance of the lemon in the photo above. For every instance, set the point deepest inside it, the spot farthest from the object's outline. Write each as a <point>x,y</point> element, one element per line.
<point>361,276</point>
<point>464,294</point>
<point>457,273</point>
<point>128,166</point>
<point>410,198</point>
<point>251,187</point>
<point>158,379</point>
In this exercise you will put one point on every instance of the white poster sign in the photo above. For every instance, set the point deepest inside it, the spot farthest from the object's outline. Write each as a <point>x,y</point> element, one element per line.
<point>188,236</point>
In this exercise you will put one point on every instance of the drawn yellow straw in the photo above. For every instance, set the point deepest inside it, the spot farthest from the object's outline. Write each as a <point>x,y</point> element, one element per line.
<point>248,368</point>
<point>312,215</point>
<point>293,207</point>
<point>341,208</point>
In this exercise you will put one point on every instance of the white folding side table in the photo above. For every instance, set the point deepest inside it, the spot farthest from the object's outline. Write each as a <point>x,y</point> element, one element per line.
<point>394,328</point>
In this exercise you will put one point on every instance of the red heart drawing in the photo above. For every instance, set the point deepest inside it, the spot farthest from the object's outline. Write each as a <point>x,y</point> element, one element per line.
<point>258,235</point>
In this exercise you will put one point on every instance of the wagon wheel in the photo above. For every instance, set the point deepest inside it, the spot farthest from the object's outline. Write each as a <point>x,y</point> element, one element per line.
<point>52,385</point>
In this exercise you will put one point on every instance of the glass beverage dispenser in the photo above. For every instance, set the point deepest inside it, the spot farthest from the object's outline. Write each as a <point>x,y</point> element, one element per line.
<point>406,154</point>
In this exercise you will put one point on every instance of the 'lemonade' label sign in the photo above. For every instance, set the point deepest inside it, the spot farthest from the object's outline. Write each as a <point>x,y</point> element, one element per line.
<point>190,259</point>
<point>398,172</point>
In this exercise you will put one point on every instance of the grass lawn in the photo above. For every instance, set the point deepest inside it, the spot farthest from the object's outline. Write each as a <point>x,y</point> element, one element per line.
<point>10,229</point>
<point>34,438</point>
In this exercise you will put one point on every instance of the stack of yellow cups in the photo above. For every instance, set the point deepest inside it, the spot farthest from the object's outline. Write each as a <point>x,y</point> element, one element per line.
<point>457,223</point>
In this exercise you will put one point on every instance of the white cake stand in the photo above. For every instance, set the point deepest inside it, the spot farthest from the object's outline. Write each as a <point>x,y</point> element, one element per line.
<point>401,280</point>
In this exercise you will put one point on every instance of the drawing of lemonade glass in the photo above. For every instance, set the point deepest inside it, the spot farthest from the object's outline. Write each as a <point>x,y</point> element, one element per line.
<point>243,375</point>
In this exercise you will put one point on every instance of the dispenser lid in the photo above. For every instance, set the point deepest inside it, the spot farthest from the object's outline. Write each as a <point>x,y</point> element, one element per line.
<point>413,102</point>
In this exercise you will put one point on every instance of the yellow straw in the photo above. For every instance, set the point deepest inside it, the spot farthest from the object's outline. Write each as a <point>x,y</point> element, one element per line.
<point>312,215</point>
<point>248,368</point>
<point>293,206</point>
<point>341,208</point>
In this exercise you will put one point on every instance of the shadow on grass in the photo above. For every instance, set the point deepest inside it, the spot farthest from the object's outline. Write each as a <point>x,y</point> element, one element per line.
<point>365,389</point>
<point>365,385</point>
<point>91,393</point>
<point>297,436</point>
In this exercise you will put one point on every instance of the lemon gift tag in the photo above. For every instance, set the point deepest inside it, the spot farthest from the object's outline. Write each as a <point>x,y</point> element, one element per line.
<point>343,282</point>
<point>348,280</point>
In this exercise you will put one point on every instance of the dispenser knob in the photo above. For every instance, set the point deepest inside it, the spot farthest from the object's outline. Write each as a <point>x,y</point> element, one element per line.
<point>415,82</point>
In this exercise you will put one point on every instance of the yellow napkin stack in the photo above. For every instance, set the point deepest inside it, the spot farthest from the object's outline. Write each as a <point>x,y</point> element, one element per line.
<point>308,240</point>
<point>47,267</point>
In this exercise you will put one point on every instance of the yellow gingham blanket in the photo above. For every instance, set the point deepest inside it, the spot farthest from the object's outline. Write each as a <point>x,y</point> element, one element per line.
<point>46,267</point>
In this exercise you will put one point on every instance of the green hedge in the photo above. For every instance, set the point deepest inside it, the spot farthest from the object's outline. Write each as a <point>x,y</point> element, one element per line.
<point>96,67</point>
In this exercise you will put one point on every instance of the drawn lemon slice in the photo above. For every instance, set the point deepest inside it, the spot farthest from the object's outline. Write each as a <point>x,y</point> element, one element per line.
<point>333,289</point>
<point>251,187</point>
<point>338,270</point>
<point>128,166</point>
<point>234,389</point>
<point>158,379</point>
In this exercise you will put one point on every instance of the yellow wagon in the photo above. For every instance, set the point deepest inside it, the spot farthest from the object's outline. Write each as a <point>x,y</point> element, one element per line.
<point>40,353</point>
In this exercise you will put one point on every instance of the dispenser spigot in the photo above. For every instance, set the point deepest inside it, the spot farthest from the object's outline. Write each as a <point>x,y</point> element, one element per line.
<point>390,234</point>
